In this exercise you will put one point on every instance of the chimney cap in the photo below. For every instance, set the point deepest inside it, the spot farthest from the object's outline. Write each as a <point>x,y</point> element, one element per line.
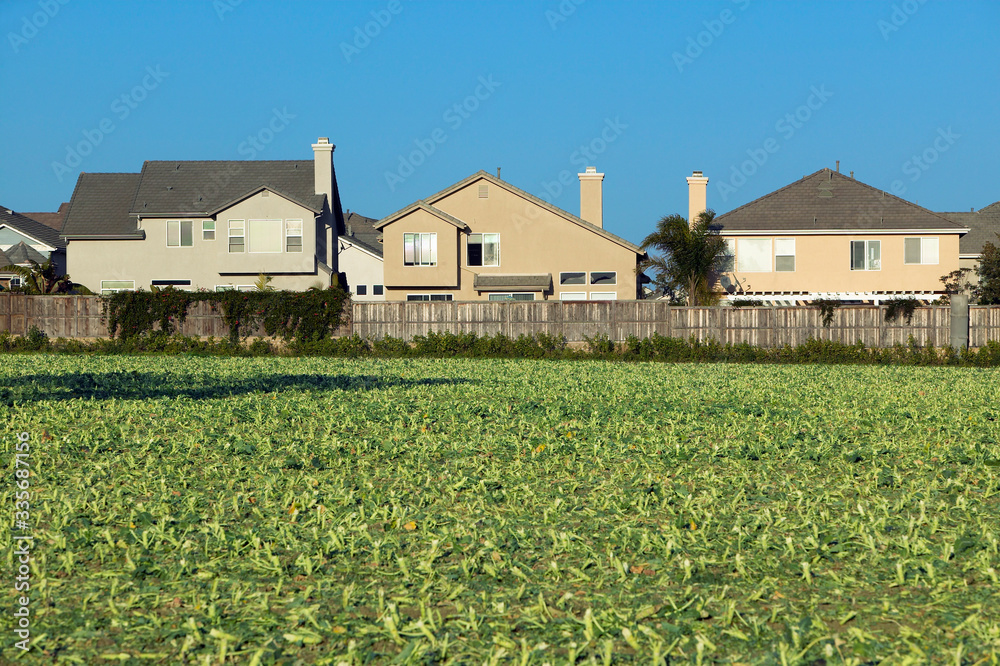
<point>323,139</point>
<point>697,174</point>
<point>591,169</point>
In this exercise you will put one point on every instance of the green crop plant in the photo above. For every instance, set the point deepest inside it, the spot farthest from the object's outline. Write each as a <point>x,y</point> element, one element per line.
<point>266,510</point>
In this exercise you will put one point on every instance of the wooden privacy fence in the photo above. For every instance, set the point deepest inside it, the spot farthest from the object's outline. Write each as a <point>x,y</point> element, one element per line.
<point>81,317</point>
<point>761,326</point>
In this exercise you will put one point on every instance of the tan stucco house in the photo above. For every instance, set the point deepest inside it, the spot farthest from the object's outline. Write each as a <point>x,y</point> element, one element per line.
<point>213,225</point>
<point>831,236</point>
<point>484,239</point>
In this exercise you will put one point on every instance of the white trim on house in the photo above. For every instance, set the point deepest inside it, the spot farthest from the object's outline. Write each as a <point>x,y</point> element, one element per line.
<point>34,241</point>
<point>572,295</point>
<point>837,232</point>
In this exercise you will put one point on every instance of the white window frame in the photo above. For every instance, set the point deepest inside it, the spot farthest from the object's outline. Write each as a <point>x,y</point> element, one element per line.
<point>614,273</point>
<point>249,238</point>
<point>784,254</point>
<point>482,243</point>
<point>868,262</point>
<point>563,283</point>
<point>729,265</point>
<point>357,289</point>
<point>923,240</point>
<point>418,245</point>
<point>225,287</point>
<point>179,225</point>
<point>378,290</point>
<point>433,298</point>
<point>290,233</point>
<point>15,281</point>
<point>511,295</point>
<point>572,295</point>
<point>769,254</point>
<point>114,290</point>
<point>205,230</point>
<point>242,235</point>
<point>246,287</point>
<point>603,296</point>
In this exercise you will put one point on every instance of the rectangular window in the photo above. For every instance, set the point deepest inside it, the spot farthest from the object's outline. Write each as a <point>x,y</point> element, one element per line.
<point>572,295</point>
<point>420,249</point>
<point>16,282</point>
<point>224,287</point>
<point>208,230</point>
<point>170,283</point>
<point>114,286</point>
<point>293,236</point>
<point>573,278</point>
<point>246,287</point>
<point>920,250</point>
<point>179,233</point>
<point>484,191</point>
<point>377,290</point>
<point>428,297</point>
<point>264,236</point>
<point>484,249</point>
<point>866,255</point>
<point>361,290</point>
<point>753,255</point>
<point>237,232</point>
<point>603,296</point>
<point>729,254</point>
<point>603,277</point>
<point>512,297</point>
<point>784,254</point>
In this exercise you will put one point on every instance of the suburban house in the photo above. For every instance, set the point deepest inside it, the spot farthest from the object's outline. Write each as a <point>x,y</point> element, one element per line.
<point>484,239</point>
<point>360,257</point>
<point>22,240</point>
<point>214,225</point>
<point>831,236</point>
<point>984,225</point>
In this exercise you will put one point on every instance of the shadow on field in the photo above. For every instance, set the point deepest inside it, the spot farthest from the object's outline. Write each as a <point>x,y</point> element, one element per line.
<point>139,385</point>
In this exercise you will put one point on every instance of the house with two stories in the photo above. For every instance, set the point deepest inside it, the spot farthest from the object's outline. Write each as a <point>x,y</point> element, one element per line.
<point>984,227</point>
<point>214,225</point>
<point>831,236</point>
<point>23,240</point>
<point>485,239</point>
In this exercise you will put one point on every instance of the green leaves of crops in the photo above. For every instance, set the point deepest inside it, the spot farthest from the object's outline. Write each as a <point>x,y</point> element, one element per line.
<point>193,510</point>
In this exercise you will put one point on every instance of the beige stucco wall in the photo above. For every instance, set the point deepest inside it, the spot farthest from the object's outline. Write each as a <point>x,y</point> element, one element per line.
<point>533,240</point>
<point>823,264</point>
<point>91,261</point>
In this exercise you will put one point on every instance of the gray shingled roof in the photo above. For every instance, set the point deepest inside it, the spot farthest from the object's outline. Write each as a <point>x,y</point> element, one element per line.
<point>22,254</point>
<point>488,281</point>
<point>830,200</point>
<point>100,206</point>
<point>30,227</point>
<point>984,225</point>
<point>361,230</point>
<point>204,187</point>
<point>5,260</point>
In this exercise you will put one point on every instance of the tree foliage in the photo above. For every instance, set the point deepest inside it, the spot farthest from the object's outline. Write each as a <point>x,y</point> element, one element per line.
<point>987,292</point>
<point>44,279</point>
<point>689,256</point>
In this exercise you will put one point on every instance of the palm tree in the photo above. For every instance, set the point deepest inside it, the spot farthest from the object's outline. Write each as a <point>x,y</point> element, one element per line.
<point>690,255</point>
<point>44,279</point>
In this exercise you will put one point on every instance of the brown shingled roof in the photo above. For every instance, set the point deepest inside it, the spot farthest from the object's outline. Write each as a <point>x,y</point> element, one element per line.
<point>828,200</point>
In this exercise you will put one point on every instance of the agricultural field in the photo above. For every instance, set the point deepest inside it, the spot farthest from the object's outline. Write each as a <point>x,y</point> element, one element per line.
<point>191,510</point>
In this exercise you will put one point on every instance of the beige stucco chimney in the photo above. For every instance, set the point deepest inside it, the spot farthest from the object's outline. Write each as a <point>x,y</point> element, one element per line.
<point>697,195</point>
<point>323,167</point>
<point>592,197</point>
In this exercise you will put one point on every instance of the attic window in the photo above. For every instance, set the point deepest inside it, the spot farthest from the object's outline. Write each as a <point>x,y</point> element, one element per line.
<point>484,191</point>
<point>265,193</point>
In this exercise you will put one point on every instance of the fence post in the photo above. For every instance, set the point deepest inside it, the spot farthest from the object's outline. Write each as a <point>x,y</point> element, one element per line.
<point>959,321</point>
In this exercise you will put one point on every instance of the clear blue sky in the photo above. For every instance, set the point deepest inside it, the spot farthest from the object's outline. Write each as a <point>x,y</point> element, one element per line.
<point>886,81</point>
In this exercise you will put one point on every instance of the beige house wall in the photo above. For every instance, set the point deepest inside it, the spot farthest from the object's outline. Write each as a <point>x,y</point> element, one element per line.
<point>823,264</point>
<point>533,240</point>
<point>205,262</point>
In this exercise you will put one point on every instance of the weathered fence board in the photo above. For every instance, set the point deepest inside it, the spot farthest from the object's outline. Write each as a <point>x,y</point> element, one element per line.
<point>81,317</point>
